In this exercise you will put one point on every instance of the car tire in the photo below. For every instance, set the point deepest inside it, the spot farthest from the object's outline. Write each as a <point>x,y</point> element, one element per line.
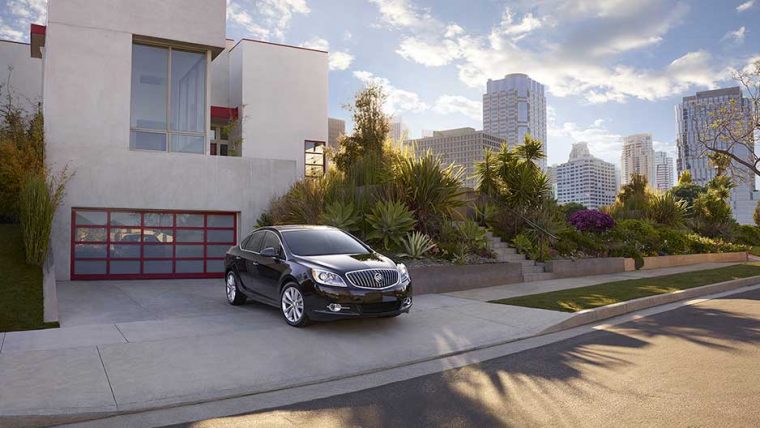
<point>232,289</point>
<point>293,305</point>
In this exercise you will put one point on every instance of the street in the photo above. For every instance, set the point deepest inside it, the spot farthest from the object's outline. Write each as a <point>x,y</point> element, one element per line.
<point>697,365</point>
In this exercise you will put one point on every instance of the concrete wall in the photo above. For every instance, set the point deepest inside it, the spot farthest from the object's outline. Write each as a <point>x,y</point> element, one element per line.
<point>283,99</point>
<point>692,259</point>
<point>193,21</point>
<point>584,267</point>
<point>25,77</point>
<point>445,278</point>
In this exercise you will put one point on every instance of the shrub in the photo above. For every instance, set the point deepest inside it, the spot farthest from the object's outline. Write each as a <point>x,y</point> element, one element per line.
<point>38,201</point>
<point>265,219</point>
<point>416,245</point>
<point>702,244</point>
<point>639,233</point>
<point>472,236</point>
<point>390,222</point>
<point>341,215</point>
<point>748,235</point>
<point>571,208</point>
<point>302,204</point>
<point>672,241</point>
<point>756,214</point>
<point>592,221</point>
<point>667,209</point>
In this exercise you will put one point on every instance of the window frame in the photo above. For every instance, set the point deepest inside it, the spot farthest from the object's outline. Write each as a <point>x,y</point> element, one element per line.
<point>168,132</point>
<point>306,154</point>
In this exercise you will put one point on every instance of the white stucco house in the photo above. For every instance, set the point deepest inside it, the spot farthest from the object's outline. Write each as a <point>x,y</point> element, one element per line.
<point>178,137</point>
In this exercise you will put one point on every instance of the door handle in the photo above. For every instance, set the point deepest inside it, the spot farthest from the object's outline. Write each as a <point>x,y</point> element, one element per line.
<point>237,257</point>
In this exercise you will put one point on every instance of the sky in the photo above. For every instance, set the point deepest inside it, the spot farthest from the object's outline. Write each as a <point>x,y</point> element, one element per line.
<point>611,67</point>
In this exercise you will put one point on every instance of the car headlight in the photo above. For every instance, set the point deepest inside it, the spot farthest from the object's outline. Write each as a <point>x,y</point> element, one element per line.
<point>403,273</point>
<point>325,277</point>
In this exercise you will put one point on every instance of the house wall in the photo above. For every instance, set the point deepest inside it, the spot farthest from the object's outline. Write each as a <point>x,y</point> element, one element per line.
<point>283,99</point>
<point>87,120</point>
<point>26,76</point>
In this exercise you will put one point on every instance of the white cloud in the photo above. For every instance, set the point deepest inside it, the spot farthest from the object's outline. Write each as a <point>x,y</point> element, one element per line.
<point>736,36</point>
<point>265,19</point>
<point>400,13</point>
<point>399,100</point>
<point>431,55</point>
<point>744,6</point>
<point>340,60</point>
<point>508,27</point>
<point>317,43</point>
<point>447,104</point>
<point>19,15</point>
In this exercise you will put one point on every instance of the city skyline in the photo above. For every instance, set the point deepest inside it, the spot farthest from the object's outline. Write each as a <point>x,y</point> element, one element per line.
<point>435,58</point>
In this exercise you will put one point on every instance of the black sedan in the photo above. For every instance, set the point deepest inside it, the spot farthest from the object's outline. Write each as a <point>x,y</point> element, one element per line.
<point>315,273</point>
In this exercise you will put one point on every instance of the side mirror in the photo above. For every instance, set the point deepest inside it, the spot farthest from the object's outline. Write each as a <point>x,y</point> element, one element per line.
<point>269,252</point>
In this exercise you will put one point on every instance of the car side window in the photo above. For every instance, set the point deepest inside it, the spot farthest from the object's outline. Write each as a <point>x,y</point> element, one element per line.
<point>273,241</point>
<point>254,243</point>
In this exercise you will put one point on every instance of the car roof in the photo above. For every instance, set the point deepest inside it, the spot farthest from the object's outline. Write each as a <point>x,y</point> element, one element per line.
<point>290,227</point>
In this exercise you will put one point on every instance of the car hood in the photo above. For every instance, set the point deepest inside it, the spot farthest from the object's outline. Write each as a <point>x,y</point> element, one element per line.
<point>342,263</point>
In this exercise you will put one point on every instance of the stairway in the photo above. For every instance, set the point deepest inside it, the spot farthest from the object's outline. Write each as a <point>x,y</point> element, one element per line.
<point>531,270</point>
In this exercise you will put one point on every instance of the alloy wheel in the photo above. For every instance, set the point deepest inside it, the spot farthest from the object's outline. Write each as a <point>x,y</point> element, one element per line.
<point>231,287</point>
<point>292,305</point>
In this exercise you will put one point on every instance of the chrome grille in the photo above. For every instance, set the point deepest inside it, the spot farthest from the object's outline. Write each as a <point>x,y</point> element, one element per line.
<point>373,278</point>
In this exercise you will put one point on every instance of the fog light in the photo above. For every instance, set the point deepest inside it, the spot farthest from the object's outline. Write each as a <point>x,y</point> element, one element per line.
<point>406,302</point>
<point>335,307</point>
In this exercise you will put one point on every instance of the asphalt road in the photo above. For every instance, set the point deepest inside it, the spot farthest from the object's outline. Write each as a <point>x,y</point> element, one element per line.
<point>694,366</point>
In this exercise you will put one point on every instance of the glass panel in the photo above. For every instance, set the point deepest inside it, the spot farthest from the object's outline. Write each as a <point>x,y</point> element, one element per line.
<point>157,219</point>
<point>188,143</point>
<point>89,267</point>
<point>158,251</point>
<point>125,251</point>
<point>220,220</point>
<point>124,267</point>
<point>189,266</point>
<point>125,219</point>
<point>158,266</point>
<point>216,250</point>
<point>90,234</point>
<point>156,236</point>
<point>189,236</point>
<point>90,250</point>
<point>188,91</point>
<point>189,251</point>
<point>147,141</point>
<point>214,265</point>
<point>125,235</point>
<point>220,236</point>
<point>94,218</point>
<point>254,242</point>
<point>189,220</point>
<point>150,69</point>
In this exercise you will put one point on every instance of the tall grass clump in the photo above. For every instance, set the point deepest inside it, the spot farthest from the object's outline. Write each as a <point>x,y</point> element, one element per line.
<point>38,199</point>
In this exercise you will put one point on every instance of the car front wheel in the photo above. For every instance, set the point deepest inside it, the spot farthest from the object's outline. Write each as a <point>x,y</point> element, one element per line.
<point>234,296</point>
<point>293,306</point>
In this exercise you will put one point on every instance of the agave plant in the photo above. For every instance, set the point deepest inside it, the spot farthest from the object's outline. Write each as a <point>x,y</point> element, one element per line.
<point>416,245</point>
<point>390,221</point>
<point>472,236</point>
<point>341,215</point>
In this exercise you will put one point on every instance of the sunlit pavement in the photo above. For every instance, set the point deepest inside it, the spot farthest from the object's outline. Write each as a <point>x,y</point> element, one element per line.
<point>694,366</point>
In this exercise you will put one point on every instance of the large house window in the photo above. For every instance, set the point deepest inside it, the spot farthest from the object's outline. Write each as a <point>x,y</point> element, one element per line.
<point>314,160</point>
<point>168,99</point>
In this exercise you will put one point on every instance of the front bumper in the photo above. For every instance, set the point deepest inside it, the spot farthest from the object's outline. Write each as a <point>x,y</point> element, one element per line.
<point>357,302</point>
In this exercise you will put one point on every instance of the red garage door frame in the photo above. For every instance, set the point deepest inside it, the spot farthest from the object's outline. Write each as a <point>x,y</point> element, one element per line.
<point>115,247</point>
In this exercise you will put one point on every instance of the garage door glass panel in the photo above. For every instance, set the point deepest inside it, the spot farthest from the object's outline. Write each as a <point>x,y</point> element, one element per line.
<point>134,244</point>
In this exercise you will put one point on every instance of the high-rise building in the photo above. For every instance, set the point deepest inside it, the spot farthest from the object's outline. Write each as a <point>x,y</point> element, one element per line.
<point>663,165</point>
<point>585,179</point>
<point>694,116</point>
<point>638,158</point>
<point>462,146</point>
<point>335,128</point>
<point>515,106</point>
<point>399,132</point>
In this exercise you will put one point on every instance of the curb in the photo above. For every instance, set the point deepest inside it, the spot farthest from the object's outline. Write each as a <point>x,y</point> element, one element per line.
<point>616,309</point>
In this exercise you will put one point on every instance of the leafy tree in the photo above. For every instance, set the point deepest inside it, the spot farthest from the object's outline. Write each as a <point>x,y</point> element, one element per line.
<point>756,215</point>
<point>712,214</point>
<point>633,200</point>
<point>371,127</point>
<point>687,191</point>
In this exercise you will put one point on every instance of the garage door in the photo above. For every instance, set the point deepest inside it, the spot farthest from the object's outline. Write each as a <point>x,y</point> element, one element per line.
<point>131,244</point>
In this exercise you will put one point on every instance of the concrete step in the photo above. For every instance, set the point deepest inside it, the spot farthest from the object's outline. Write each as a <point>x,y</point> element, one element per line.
<point>512,258</point>
<point>498,244</point>
<point>532,277</point>
<point>504,250</point>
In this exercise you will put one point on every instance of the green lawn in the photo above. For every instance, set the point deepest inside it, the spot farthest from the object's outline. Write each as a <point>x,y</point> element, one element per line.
<point>20,285</point>
<point>578,299</point>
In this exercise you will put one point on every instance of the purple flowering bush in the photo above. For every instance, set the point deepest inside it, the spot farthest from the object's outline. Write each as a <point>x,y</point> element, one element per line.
<point>592,221</point>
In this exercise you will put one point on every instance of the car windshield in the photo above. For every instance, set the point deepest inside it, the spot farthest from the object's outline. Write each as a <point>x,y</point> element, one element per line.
<point>316,242</point>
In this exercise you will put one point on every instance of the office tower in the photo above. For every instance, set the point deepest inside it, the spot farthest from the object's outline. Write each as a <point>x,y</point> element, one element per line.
<point>638,158</point>
<point>335,128</point>
<point>585,179</point>
<point>664,170</point>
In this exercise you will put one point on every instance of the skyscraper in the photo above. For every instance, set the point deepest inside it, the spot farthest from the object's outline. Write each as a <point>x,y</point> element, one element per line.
<point>398,132</point>
<point>638,158</point>
<point>515,106</point>
<point>463,146</point>
<point>335,128</point>
<point>693,117</point>
<point>664,170</point>
<point>585,179</point>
